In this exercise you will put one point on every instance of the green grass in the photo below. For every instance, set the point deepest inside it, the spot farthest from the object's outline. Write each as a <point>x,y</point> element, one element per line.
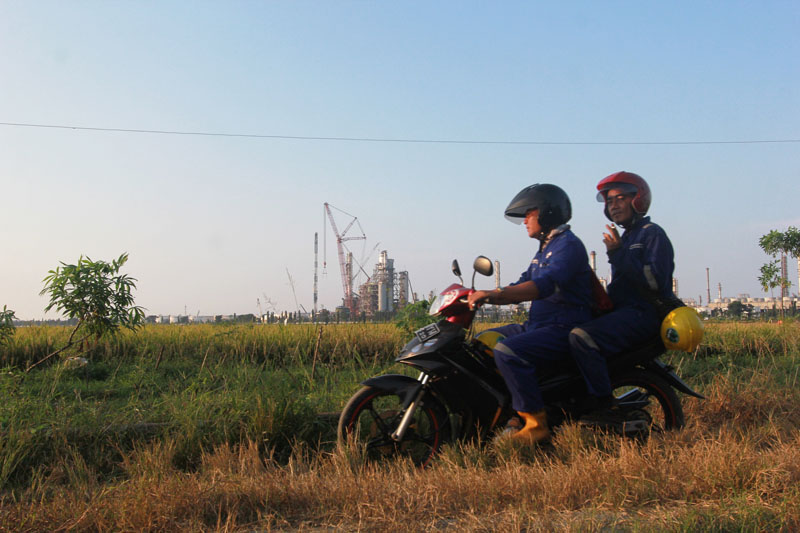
<point>180,409</point>
<point>106,410</point>
<point>207,385</point>
<point>738,350</point>
<point>200,385</point>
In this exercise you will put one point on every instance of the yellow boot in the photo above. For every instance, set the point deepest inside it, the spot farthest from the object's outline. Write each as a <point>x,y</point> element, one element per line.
<point>535,429</point>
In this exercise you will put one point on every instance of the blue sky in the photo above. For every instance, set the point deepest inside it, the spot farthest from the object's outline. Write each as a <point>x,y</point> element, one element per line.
<point>212,223</point>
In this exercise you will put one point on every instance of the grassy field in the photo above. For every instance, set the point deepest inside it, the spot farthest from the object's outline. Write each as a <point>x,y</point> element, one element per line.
<point>217,428</point>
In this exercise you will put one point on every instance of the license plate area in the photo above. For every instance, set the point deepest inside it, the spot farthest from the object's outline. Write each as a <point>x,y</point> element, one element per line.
<point>427,332</point>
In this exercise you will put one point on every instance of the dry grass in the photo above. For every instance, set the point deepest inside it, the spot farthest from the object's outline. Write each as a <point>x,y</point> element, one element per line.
<point>736,466</point>
<point>658,487</point>
<point>275,344</point>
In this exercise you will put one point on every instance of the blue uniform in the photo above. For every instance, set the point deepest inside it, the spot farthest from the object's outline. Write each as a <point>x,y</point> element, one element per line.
<point>562,275</point>
<point>641,266</point>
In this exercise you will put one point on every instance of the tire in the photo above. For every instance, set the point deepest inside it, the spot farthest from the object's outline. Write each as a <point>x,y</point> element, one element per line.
<point>650,399</point>
<point>372,414</point>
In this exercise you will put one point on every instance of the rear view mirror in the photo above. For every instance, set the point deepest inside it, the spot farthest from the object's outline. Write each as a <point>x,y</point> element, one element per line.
<point>456,269</point>
<point>483,265</point>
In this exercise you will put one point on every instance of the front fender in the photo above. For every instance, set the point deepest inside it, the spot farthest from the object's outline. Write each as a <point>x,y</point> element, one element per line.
<point>405,387</point>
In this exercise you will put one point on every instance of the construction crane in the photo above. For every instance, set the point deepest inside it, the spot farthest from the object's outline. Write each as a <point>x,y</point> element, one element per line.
<point>366,258</point>
<point>345,265</point>
<point>316,253</point>
<point>291,282</point>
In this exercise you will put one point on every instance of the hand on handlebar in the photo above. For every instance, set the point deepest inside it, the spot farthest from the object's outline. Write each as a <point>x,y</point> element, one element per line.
<point>477,299</point>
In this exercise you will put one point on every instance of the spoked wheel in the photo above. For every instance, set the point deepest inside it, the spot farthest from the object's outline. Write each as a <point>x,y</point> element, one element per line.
<point>648,403</point>
<point>372,415</point>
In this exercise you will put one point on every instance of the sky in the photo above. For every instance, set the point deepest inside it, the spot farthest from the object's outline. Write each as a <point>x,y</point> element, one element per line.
<point>494,96</point>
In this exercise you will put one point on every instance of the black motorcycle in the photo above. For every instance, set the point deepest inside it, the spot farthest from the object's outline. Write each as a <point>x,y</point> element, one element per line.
<point>460,394</point>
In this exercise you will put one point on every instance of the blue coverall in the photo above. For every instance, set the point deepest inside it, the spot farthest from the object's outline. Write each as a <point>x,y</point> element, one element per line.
<point>561,272</point>
<point>643,264</point>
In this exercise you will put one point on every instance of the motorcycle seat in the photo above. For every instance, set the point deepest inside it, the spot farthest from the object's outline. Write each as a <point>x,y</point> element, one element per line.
<point>567,368</point>
<point>640,353</point>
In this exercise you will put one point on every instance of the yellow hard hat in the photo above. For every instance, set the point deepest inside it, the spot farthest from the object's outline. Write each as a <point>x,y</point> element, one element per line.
<point>489,338</point>
<point>682,329</point>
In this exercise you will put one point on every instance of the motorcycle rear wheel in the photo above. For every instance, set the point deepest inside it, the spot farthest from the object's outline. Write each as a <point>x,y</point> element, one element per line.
<point>371,416</point>
<point>662,408</point>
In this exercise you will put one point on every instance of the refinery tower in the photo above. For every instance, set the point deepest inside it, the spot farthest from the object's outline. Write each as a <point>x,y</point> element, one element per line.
<point>386,291</point>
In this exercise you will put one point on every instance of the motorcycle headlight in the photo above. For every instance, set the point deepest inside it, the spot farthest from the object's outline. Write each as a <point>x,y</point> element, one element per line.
<point>442,301</point>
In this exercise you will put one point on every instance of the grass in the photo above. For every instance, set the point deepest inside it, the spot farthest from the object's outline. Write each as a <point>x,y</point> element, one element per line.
<point>251,343</point>
<point>682,482</point>
<point>233,444</point>
<point>200,386</point>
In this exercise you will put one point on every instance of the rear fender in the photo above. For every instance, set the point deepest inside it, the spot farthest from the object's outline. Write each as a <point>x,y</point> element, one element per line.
<point>665,371</point>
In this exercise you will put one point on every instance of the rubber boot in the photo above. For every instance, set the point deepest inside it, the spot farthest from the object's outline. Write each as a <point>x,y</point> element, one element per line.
<point>535,428</point>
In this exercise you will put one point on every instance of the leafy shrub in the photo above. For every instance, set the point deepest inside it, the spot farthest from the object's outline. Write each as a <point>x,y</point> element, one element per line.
<point>97,295</point>
<point>6,325</point>
<point>414,316</point>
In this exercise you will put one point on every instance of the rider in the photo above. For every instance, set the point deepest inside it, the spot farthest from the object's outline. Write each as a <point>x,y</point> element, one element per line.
<point>558,284</point>
<point>641,277</point>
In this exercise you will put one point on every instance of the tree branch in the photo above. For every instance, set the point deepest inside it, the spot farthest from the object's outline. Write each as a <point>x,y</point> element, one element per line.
<point>69,344</point>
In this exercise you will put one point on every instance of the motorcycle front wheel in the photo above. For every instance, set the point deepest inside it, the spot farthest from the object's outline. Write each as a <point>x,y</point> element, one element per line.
<point>650,403</point>
<point>371,416</point>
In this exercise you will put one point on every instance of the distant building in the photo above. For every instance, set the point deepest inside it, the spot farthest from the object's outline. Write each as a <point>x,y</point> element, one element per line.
<point>759,304</point>
<point>386,291</point>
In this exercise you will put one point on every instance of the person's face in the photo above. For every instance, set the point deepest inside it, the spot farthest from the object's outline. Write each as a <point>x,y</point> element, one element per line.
<point>620,207</point>
<point>532,223</point>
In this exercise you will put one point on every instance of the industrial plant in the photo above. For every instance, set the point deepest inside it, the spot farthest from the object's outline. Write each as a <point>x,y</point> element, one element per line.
<point>387,291</point>
<point>384,292</point>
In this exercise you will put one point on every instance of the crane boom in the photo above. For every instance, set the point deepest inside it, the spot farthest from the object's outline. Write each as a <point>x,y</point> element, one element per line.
<point>347,281</point>
<point>291,282</point>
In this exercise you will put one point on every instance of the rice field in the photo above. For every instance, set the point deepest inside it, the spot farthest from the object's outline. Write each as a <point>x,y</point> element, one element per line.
<point>273,344</point>
<point>218,428</point>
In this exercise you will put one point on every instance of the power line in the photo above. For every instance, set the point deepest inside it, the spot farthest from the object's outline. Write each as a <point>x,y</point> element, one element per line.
<point>392,140</point>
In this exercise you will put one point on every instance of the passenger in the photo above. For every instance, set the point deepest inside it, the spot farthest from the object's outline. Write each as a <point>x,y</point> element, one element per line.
<point>558,284</point>
<point>641,282</point>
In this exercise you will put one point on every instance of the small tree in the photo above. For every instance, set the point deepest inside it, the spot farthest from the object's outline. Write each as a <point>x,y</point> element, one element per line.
<point>97,295</point>
<point>771,278</point>
<point>735,308</point>
<point>6,325</point>
<point>776,243</point>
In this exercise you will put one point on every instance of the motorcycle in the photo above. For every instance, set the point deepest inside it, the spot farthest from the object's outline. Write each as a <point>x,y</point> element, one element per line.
<point>460,394</point>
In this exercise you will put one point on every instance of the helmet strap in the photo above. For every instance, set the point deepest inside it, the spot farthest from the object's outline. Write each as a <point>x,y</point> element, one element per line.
<point>542,238</point>
<point>547,235</point>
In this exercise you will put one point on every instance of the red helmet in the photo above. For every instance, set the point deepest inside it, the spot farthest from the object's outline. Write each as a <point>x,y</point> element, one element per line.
<point>630,182</point>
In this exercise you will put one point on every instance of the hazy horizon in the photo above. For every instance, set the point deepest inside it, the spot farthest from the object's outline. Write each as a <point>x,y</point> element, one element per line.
<point>423,120</point>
